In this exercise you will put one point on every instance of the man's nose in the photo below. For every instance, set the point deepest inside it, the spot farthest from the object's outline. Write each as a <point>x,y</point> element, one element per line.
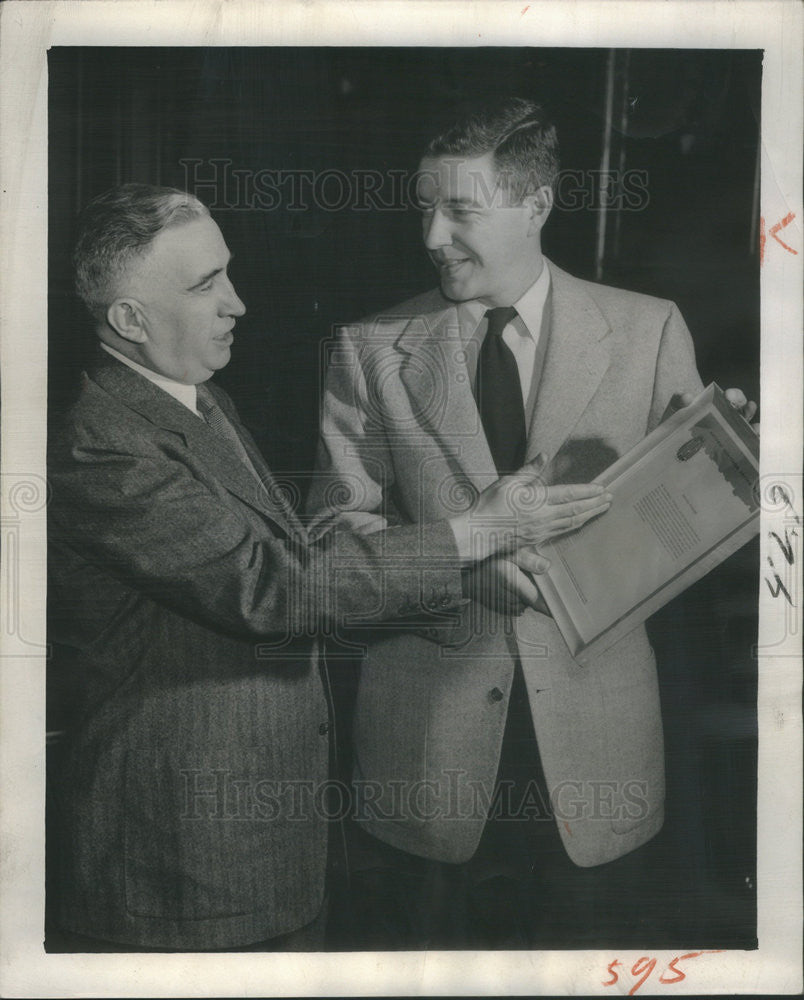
<point>436,230</point>
<point>231,304</point>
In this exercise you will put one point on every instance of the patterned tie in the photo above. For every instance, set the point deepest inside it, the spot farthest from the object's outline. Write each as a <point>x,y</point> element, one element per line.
<point>220,424</point>
<point>499,395</point>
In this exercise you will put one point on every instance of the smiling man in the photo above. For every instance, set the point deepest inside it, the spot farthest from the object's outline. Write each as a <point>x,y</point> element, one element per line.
<point>184,600</point>
<point>175,313</point>
<point>533,763</point>
<point>482,234</point>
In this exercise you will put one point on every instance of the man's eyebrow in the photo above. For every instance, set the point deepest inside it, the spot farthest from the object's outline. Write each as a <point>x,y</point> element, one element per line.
<point>211,274</point>
<point>462,203</point>
<point>450,203</point>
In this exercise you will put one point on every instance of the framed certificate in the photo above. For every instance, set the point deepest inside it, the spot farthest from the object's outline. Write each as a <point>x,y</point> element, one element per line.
<point>684,500</point>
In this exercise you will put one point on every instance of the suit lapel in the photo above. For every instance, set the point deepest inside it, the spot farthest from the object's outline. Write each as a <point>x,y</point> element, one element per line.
<point>578,354</point>
<point>273,495</point>
<point>160,409</point>
<point>435,376</point>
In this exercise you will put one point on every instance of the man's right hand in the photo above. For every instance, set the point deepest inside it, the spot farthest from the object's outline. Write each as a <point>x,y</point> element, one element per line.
<point>519,510</point>
<point>501,585</point>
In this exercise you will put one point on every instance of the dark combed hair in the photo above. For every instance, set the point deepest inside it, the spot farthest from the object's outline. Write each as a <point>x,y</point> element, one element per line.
<point>118,226</point>
<point>518,134</point>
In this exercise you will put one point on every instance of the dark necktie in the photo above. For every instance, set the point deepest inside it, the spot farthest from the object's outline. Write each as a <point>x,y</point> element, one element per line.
<point>499,395</point>
<point>220,424</point>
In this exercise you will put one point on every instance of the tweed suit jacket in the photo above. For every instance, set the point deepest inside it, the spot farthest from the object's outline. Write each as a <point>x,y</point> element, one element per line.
<point>401,430</point>
<point>186,597</point>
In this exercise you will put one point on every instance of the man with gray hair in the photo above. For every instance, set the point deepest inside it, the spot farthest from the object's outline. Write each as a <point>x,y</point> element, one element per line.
<point>529,758</point>
<point>188,806</point>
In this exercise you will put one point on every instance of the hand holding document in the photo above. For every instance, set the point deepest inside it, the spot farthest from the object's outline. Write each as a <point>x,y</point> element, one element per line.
<point>518,510</point>
<point>684,501</point>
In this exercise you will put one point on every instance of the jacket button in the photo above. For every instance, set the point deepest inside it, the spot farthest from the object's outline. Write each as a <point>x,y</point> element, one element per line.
<point>496,694</point>
<point>323,729</point>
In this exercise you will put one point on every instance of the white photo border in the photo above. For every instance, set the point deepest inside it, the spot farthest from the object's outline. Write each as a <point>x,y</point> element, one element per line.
<point>28,30</point>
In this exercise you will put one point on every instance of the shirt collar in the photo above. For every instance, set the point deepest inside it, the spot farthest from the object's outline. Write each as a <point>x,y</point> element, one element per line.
<point>185,394</point>
<point>529,307</point>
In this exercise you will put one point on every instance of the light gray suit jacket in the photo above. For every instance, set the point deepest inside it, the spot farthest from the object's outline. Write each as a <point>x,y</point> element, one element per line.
<point>186,597</point>
<point>402,434</point>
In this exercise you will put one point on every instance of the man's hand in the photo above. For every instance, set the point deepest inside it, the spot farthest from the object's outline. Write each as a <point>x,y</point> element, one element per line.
<point>500,584</point>
<point>738,400</point>
<point>520,510</point>
<point>736,397</point>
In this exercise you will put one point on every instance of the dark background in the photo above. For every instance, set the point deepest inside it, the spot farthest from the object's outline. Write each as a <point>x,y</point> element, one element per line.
<point>688,118</point>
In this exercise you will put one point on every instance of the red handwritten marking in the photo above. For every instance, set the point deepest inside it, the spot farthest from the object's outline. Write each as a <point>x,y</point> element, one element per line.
<point>641,970</point>
<point>525,10</point>
<point>679,975</point>
<point>773,231</point>
<point>567,828</point>
<point>781,225</point>
<point>644,966</point>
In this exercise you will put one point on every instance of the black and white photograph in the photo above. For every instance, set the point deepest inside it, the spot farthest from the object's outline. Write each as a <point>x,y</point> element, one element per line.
<point>409,580</point>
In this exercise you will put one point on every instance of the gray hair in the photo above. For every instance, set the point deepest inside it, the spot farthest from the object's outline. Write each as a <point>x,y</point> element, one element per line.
<point>117,227</point>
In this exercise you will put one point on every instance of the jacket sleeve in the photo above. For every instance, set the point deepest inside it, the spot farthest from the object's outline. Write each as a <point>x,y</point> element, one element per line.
<point>353,476</point>
<point>676,371</point>
<point>146,519</point>
<point>352,485</point>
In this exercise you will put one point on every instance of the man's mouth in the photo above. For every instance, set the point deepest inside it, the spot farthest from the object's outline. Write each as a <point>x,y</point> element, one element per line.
<point>450,265</point>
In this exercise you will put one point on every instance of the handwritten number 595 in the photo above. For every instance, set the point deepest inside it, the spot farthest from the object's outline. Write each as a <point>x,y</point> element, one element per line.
<point>643,967</point>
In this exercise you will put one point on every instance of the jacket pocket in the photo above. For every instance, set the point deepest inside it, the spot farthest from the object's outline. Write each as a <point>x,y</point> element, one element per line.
<point>209,833</point>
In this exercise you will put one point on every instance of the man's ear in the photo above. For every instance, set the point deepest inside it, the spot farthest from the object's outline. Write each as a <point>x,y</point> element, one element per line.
<point>540,202</point>
<point>127,318</point>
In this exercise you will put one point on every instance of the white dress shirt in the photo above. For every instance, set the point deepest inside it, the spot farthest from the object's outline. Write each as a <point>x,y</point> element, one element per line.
<point>185,394</point>
<point>521,334</point>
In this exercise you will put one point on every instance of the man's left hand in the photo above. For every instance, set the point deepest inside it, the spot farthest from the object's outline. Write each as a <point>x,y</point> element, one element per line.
<point>736,397</point>
<point>739,402</point>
